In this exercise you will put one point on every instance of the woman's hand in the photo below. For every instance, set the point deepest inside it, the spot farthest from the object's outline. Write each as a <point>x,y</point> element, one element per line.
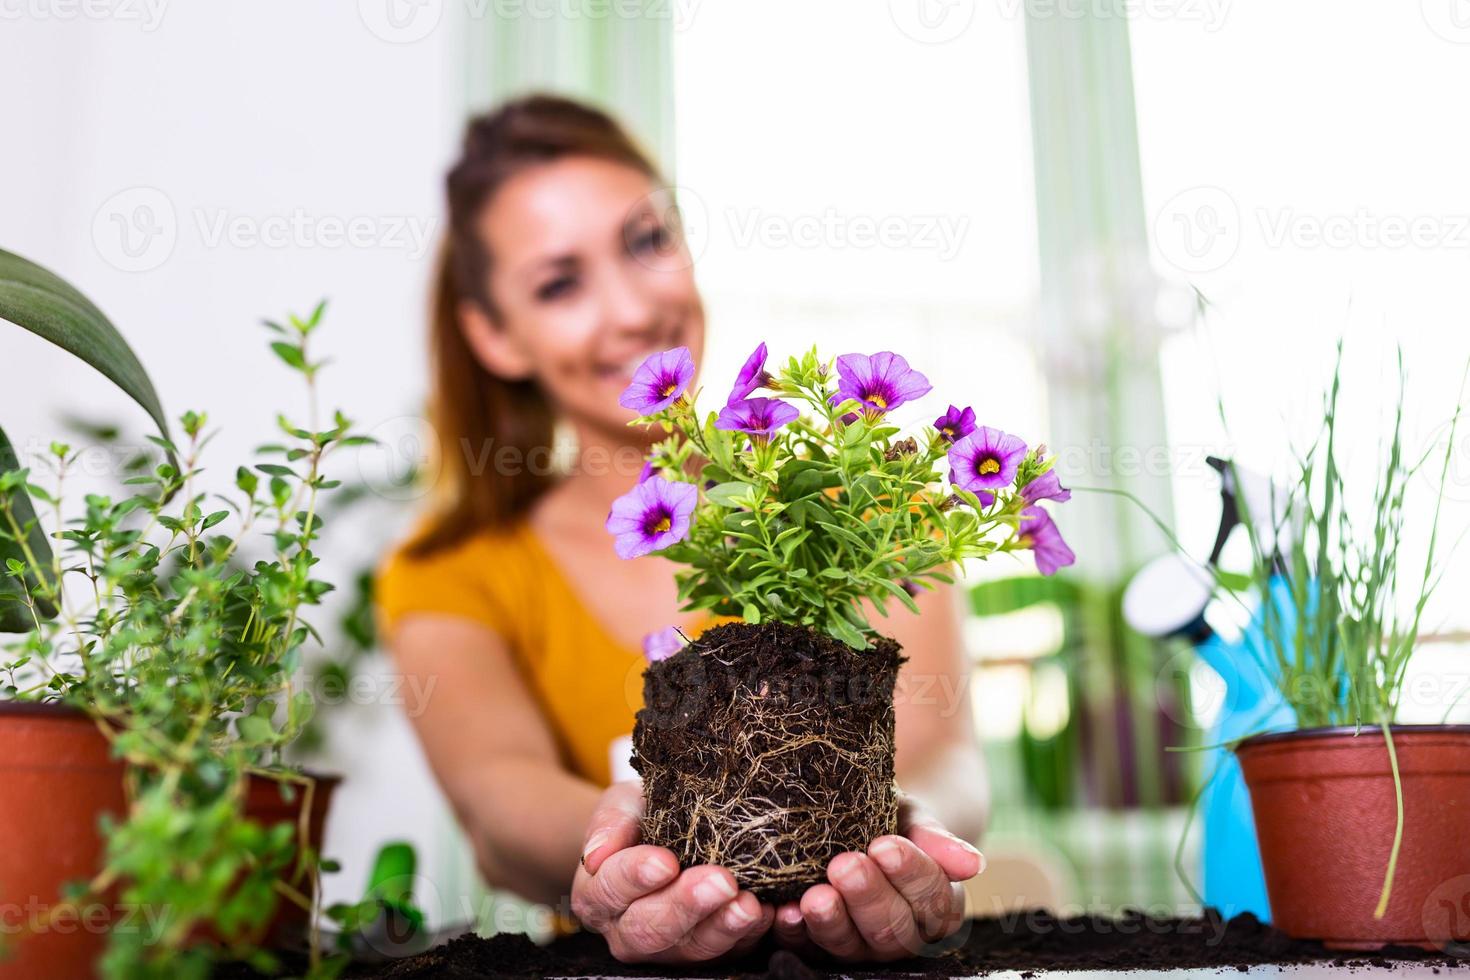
<point>889,903</point>
<point>650,912</point>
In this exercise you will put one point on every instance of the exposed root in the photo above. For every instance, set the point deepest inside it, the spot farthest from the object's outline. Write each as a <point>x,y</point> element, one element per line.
<point>768,776</point>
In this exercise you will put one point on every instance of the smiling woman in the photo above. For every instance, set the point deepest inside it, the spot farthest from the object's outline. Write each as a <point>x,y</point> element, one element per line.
<point>564,274</point>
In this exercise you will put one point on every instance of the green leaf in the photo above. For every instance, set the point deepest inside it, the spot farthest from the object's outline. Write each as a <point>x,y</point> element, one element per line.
<point>49,307</point>
<point>734,494</point>
<point>846,632</point>
<point>15,617</point>
<point>290,353</point>
<point>256,729</point>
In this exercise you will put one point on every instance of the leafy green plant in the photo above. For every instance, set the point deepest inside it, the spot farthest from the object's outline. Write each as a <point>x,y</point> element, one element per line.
<point>41,302</point>
<point>1340,645</point>
<point>801,517</point>
<point>175,619</point>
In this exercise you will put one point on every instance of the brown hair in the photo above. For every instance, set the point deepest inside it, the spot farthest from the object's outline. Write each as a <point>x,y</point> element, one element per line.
<point>477,415</point>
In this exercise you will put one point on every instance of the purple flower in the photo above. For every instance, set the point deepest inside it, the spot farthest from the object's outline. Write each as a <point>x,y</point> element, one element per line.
<point>1047,486</point>
<point>758,417</point>
<point>985,460</point>
<point>955,424</point>
<point>752,376</point>
<point>1040,534</point>
<point>662,644</point>
<point>881,382</point>
<point>647,471</point>
<point>658,381</point>
<point>651,516</point>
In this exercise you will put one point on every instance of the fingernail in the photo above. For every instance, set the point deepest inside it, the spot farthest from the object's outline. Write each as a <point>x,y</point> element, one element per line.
<point>652,871</point>
<point>888,856</point>
<point>823,908</point>
<point>851,875</point>
<point>593,843</point>
<point>714,890</point>
<point>790,916</point>
<point>966,845</point>
<point>738,916</point>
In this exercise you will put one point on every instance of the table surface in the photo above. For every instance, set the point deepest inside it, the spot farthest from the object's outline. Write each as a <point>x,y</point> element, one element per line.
<point>1412,971</point>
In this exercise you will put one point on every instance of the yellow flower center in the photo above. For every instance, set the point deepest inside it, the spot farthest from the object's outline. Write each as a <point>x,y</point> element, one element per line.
<point>878,400</point>
<point>947,432</point>
<point>662,525</point>
<point>668,389</point>
<point>989,465</point>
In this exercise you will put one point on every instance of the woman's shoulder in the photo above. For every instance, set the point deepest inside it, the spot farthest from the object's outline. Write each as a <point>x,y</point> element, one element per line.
<point>468,578</point>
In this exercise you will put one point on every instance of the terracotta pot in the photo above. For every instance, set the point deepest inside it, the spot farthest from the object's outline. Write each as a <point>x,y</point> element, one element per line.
<point>58,779</point>
<point>1325,816</point>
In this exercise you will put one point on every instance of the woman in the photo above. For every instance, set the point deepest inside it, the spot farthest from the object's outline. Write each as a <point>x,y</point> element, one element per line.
<point>561,273</point>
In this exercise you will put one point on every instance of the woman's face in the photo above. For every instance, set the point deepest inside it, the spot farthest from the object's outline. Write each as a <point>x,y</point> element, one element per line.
<point>589,275</point>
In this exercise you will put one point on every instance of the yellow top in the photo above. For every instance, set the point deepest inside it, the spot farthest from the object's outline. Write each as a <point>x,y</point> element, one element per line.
<point>587,684</point>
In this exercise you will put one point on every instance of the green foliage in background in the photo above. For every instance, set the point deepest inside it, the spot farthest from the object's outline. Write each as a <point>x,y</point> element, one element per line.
<point>174,618</point>
<point>1343,644</point>
<point>41,302</point>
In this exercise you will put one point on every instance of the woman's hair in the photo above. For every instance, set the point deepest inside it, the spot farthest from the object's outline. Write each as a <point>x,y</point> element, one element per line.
<point>487,427</point>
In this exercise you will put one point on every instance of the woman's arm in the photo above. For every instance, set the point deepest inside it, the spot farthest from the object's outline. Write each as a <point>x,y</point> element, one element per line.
<point>491,750</point>
<point>545,834</point>
<point>938,759</point>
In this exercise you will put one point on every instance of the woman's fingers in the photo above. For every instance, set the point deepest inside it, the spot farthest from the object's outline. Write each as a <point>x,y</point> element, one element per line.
<point>614,824</point>
<point>788,926</point>
<point>959,860</point>
<point>937,903</point>
<point>625,877</point>
<point>882,917</point>
<point>724,929</point>
<point>754,934</point>
<point>658,922</point>
<point>828,924</point>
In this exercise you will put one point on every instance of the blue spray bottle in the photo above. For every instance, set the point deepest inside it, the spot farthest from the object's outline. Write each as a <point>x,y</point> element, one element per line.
<point>1168,598</point>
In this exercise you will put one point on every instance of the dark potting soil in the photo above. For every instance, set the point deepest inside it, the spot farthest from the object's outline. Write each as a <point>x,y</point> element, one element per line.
<point>1029,943</point>
<point>770,739</point>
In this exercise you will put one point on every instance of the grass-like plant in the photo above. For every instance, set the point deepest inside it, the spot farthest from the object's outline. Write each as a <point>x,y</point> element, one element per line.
<point>1339,646</point>
<point>800,506</point>
<point>174,618</point>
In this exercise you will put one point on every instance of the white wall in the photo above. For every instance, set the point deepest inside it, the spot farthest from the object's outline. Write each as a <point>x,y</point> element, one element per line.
<point>276,118</point>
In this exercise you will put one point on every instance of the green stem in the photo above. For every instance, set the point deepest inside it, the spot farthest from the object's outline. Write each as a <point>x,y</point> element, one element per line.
<point>1398,827</point>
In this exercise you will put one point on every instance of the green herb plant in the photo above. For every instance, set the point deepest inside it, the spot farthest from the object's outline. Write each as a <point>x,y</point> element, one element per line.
<point>1340,646</point>
<point>175,619</point>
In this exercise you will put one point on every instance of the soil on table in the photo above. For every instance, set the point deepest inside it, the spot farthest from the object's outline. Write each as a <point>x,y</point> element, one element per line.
<point>1026,942</point>
<point>768,749</point>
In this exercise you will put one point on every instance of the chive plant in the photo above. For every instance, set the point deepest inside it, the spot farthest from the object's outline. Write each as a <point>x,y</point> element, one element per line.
<point>1340,642</point>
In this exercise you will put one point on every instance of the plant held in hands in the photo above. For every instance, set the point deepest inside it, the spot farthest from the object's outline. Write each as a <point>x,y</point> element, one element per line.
<point>767,745</point>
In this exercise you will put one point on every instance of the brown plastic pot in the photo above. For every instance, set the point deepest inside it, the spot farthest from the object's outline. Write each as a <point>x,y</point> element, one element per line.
<point>57,778</point>
<point>1325,815</point>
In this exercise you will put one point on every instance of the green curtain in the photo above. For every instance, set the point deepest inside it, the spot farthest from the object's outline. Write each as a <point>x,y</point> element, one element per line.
<point>1100,343</point>
<point>617,55</point>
